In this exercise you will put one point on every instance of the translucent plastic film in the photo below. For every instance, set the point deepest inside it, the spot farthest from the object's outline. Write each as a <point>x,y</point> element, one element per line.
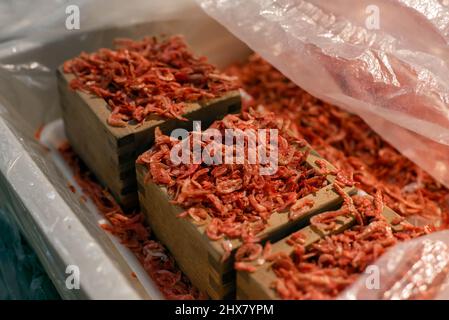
<point>385,60</point>
<point>416,269</point>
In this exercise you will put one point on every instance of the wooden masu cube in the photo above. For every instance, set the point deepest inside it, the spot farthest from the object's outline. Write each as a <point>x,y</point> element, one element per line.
<point>110,152</point>
<point>258,285</point>
<point>199,257</point>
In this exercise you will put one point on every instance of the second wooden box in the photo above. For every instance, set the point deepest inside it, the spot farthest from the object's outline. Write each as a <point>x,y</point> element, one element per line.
<point>199,257</point>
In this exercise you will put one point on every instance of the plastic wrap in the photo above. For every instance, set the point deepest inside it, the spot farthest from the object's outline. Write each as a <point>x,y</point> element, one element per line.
<point>62,230</point>
<point>21,273</point>
<point>416,269</point>
<point>385,60</point>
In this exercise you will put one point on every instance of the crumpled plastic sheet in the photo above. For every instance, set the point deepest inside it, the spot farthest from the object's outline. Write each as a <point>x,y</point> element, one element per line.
<point>57,225</point>
<point>416,269</point>
<point>385,60</point>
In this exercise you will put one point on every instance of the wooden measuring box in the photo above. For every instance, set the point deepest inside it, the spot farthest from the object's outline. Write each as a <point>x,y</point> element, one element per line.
<point>110,152</point>
<point>258,285</point>
<point>199,257</point>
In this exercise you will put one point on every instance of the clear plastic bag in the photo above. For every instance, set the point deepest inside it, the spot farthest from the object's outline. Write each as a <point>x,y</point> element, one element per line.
<point>385,60</point>
<point>416,269</point>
